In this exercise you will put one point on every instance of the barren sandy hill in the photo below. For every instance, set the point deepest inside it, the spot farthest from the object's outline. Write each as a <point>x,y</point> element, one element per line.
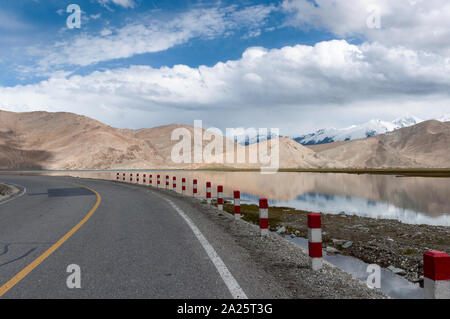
<point>160,139</point>
<point>41,140</point>
<point>292,154</point>
<point>423,145</point>
<point>66,141</point>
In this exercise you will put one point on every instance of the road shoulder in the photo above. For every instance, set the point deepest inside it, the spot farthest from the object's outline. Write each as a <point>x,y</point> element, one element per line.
<point>270,267</point>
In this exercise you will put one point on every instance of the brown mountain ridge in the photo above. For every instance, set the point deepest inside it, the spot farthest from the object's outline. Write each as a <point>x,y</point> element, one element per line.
<point>425,145</point>
<point>42,140</point>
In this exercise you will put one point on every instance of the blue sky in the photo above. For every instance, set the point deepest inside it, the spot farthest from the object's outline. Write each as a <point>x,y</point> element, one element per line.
<point>298,65</point>
<point>42,23</point>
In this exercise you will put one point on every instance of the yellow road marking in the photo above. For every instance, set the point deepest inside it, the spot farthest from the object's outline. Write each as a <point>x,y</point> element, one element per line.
<point>24,272</point>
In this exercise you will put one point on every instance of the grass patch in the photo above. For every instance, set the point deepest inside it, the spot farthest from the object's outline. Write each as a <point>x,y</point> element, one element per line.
<point>409,252</point>
<point>250,213</point>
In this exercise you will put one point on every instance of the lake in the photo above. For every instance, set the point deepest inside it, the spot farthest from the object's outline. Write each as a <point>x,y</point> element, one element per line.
<point>412,200</point>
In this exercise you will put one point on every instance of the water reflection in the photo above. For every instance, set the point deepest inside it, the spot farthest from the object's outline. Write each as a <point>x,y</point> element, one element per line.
<point>414,200</point>
<point>391,284</point>
<point>334,204</point>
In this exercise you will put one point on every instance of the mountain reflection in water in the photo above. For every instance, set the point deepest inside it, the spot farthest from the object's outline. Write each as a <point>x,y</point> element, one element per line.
<point>414,200</point>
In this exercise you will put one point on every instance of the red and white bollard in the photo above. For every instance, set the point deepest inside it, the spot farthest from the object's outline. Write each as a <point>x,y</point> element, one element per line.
<point>220,197</point>
<point>123,177</point>
<point>194,188</point>
<point>158,181</point>
<point>150,180</point>
<point>208,192</point>
<point>144,179</point>
<point>436,273</point>
<point>237,205</point>
<point>315,241</point>
<point>131,177</point>
<point>167,181</point>
<point>118,176</point>
<point>264,217</point>
<point>183,186</point>
<point>137,178</point>
<point>174,184</point>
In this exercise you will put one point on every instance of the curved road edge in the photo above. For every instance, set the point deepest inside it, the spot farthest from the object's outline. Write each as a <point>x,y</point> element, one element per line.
<point>269,267</point>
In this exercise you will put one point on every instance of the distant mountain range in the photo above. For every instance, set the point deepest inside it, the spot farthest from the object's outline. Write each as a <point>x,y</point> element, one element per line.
<point>42,140</point>
<point>372,128</point>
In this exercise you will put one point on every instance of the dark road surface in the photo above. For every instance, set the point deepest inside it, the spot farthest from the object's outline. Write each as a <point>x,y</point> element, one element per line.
<point>134,245</point>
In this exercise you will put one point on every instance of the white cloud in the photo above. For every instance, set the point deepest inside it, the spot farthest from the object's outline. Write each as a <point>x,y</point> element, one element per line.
<point>416,24</point>
<point>155,36</point>
<point>95,16</point>
<point>331,81</point>
<point>122,3</point>
<point>105,32</point>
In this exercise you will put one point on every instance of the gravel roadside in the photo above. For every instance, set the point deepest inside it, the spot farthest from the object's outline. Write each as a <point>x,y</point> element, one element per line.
<point>279,265</point>
<point>388,243</point>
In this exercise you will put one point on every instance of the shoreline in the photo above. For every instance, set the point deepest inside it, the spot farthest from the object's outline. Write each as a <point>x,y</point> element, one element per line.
<point>390,244</point>
<point>400,172</point>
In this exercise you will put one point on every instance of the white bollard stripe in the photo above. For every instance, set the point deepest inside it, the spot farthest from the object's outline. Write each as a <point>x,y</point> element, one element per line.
<point>316,263</point>
<point>315,235</point>
<point>263,213</point>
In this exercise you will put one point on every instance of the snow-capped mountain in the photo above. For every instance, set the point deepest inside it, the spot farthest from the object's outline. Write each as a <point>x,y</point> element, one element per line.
<point>251,136</point>
<point>369,129</point>
<point>354,132</point>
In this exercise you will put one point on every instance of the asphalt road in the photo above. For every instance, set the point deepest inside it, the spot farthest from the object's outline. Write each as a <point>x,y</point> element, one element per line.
<point>133,245</point>
<point>132,241</point>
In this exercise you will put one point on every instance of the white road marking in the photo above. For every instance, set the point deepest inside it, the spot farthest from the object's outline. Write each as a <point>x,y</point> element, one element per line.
<point>24,190</point>
<point>233,286</point>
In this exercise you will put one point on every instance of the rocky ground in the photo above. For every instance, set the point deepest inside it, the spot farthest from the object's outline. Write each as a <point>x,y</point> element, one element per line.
<point>388,243</point>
